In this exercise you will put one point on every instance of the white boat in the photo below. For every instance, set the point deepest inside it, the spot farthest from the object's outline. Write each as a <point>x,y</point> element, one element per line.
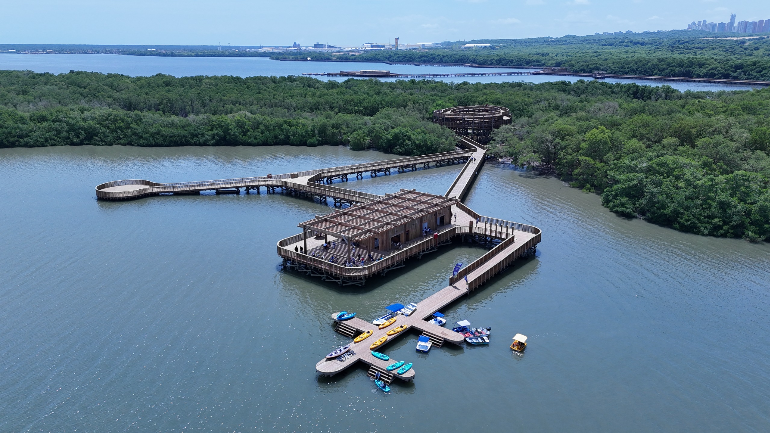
<point>423,344</point>
<point>409,309</point>
<point>382,319</point>
<point>438,319</point>
<point>393,311</point>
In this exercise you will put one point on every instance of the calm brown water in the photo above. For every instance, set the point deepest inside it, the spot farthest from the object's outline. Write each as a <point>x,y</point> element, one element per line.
<point>171,313</point>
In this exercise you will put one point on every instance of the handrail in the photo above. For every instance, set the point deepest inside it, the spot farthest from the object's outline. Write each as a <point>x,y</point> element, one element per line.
<point>366,270</point>
<point>395,162</point>
<point>482,260</point>
<point>459,176</point>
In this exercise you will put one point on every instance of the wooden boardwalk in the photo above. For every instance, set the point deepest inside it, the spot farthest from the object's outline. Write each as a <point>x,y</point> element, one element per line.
<point>301,183</point>
<point>509,240</point>
<point>477,273</point>
<point>464,180</point>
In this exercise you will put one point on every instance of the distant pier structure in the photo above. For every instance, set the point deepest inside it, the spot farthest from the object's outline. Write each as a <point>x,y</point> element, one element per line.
<point>475,121</point>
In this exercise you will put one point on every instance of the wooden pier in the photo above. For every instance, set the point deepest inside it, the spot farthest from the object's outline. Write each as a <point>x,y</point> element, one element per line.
<point>388,74</point>
<point>521,241</point>
<point>303,183</point>
<point>376,234</point>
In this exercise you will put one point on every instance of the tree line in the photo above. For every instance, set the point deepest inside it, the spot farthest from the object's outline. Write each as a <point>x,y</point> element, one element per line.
<point>671,54</point>
<point>694,161</point>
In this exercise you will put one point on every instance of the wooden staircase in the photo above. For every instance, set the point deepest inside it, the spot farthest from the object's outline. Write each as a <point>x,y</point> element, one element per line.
<point>385,375</point>
<point>345,329</point>
<point>435,340</point>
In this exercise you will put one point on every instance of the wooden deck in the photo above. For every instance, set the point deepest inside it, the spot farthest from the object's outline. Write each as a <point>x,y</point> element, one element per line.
<point>301,183</point>
<point>509,240</point>
<point>464,180</point>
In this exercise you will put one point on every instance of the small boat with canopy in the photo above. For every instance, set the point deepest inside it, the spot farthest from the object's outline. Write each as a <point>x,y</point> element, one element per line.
<point>519,343</point>
<point>393,310</point>
<point>424,344</point>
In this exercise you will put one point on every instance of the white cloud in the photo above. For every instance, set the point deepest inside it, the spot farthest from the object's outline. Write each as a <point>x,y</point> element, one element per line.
<point>506,21</point>
<point>429,26</point>
<point>579,2</point>
<point>654,17</point>
<point>578,18</point>
<point>618,20</point>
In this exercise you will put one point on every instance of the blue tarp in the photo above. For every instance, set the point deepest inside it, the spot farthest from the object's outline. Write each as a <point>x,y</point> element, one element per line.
<point>395,307</point>
<point>423,339</point>
<point>437,314</point>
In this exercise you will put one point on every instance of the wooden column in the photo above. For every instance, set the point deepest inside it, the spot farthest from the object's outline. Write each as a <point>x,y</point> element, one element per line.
<point>304,237</point>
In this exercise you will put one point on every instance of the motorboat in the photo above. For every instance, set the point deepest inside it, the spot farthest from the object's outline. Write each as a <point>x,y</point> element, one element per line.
<point>409,309</point>
<point>519,343</point>
<point>339,351</point>
<point>477,341</point>
<point>381,356</point>
<point>393,311</point>
<point>438,319</point>
<point>482,332</point>
<point>379,342</point>
<point>388,322</point>
<point>344,315</point>
<point>462,327</point>
<point>396,330</point>
<point>424,344</point>
<point>363,336</point>
<point>394,366</point>
<point>404,368</point>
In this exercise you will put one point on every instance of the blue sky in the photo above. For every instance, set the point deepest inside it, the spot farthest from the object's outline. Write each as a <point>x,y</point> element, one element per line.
<point>347,23</point>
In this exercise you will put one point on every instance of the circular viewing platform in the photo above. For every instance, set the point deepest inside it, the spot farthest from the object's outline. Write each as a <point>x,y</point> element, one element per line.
<point>474,121</point>
<point>125,189</point>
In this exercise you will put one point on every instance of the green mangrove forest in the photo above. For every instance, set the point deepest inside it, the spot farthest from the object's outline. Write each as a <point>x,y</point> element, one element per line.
<point>694,161</point>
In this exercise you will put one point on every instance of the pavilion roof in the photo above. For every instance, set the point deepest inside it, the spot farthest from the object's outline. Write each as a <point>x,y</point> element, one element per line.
<point>363,220</point>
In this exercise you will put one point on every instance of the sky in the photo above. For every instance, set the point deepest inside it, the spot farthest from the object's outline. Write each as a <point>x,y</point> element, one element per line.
<point>345,22</point>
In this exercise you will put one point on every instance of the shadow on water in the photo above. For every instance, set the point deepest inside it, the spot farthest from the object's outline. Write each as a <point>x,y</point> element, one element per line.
<point>378,280</point>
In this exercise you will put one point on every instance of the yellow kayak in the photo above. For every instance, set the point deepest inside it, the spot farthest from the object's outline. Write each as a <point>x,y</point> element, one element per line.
<point>396,330</point>
<point>378,342</point>
<point>363,336</point>
<point>388,323</point>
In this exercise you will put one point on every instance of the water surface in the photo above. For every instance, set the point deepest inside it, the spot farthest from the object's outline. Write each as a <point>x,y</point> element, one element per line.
<point>171,313</point>
<point>253,66</point>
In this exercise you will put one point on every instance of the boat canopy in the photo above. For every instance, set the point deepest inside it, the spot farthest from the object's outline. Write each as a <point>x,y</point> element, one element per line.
<point>395,307</point>
<point>437,314</point>
<point>464,323</point>
<point>519,337</point>
<point>423,338</point>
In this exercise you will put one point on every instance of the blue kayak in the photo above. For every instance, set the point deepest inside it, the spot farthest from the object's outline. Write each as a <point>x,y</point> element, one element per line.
<point>382,385</point>
<point>381,356</point>
<point>344,315</point>
<point>404,369</point>
<point>395,365</point>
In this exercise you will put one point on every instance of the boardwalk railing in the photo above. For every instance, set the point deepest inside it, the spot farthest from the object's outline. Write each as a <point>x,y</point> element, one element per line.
<point>459,176</point>
<point>366,271</point>
<point>493,253</point>
<point>343,194</point>
<point>388,163</point>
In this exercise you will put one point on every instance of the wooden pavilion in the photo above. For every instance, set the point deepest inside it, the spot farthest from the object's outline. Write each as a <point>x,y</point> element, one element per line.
<point>377,228</point>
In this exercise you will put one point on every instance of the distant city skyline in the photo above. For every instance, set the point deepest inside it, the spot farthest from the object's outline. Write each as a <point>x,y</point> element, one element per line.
<point>345,22</point>
<point>740,27</point>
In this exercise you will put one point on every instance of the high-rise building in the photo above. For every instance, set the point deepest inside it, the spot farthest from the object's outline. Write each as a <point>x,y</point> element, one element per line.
<point>731,24</point>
